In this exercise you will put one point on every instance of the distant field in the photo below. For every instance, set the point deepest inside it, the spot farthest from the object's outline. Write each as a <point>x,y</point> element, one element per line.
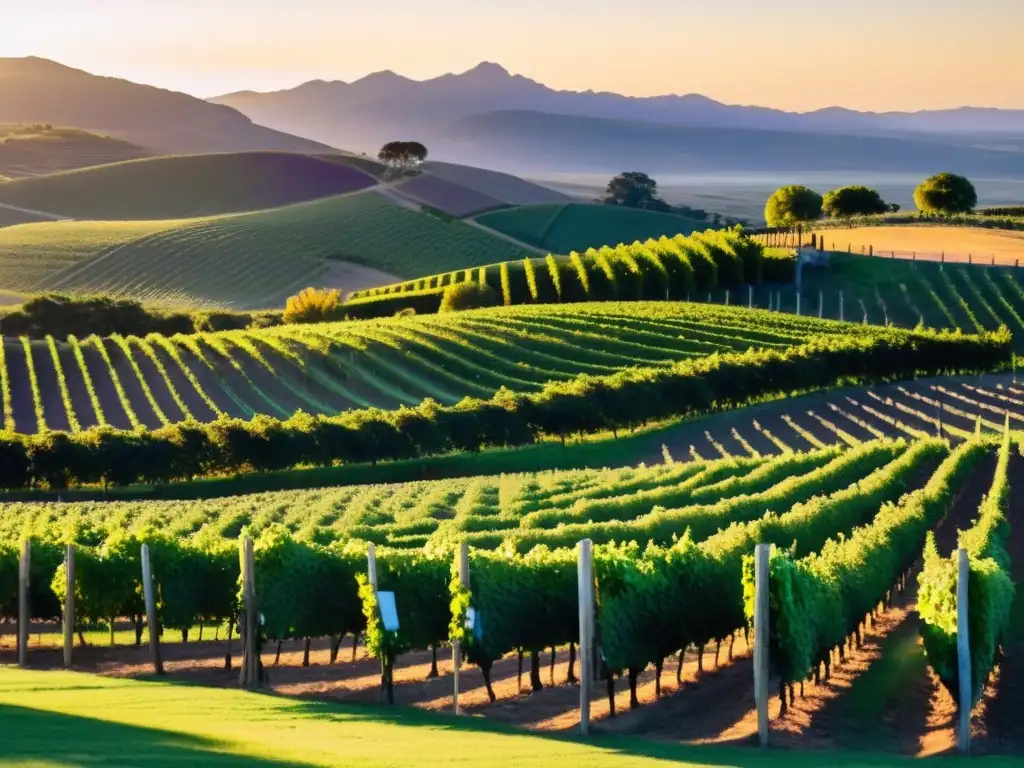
<point>561,228</point>
<point>502,186</point>
<point>454,199</point>
<point>187,186</point>
<point>250,260</point>
<point>34,151</point>
<point>931,241</point>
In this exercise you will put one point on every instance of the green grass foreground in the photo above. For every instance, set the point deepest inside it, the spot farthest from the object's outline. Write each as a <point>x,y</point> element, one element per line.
<point>74,719</point>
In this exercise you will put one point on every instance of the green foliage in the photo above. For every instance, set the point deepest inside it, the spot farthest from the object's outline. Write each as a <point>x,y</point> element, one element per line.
<point>461,296</point>
<point>946,193</point>
<point>853,201</point>
<point>313,305</point>
<point>634,189</point>
<point>791,205</point>
<point>990,590</point>
<point>818,601</point>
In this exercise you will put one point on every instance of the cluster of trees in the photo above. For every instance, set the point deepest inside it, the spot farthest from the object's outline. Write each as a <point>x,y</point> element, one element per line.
<point>401,156</point>
<point>796,204</point>
<point>59,315</point>
<point>629,398</point>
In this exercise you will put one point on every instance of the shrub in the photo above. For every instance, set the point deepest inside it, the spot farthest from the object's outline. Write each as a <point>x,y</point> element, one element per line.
<point>946,193</point>
<point>853,201</point>
<point>467,296</point>
<point>313,305</point>
<point>792,205</point>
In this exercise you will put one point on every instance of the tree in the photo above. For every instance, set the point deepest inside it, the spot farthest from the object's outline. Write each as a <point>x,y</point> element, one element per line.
<point>402,155</point>
<point>634,189</point>
<point>894,207</point>
<point>792,205</point>
<point>946,193</point>
<point>853,201</point>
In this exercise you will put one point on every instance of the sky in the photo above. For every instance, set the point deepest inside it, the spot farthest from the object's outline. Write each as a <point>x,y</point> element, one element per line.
<point>790,54</point>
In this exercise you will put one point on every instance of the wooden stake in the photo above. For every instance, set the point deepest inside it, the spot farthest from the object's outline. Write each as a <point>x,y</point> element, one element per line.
<point>150,598</point>
<point>69,604</point>
<point>963,652</point>
<point>250,644</point>
<point>24,607</point>
<point>761,556</point>
<point>585,582</point>
<point>462,558</point>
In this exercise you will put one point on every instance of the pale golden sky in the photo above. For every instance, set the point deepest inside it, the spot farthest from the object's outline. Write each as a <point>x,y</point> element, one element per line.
<point>796,54</point>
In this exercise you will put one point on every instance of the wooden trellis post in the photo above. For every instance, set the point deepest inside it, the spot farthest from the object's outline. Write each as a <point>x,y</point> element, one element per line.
<point>250,648</point>
<point>463,566</point>
<point>963,652</point>
<point>761,557</point>
<point>585,581</point>
<point>24,606</point>
<point>69,604</point>
<point>150,598</point>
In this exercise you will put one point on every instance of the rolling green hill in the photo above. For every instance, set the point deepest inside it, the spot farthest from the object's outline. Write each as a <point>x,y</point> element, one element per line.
<point>244,260</point>
<point>561,228</point>
<point>179,186</point>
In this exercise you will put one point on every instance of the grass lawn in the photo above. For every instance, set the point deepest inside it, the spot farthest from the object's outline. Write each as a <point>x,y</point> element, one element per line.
<point>73,719</point>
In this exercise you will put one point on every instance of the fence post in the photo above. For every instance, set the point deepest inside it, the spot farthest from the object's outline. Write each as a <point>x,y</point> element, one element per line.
<point>963,652</point>
<point>24,607</point>
<point>69,604</point>
<point>750,297</point>
<point>970,259</point>
<point>251,651</point>
<point>585,579</point>
<point>463,566</point>
<point>150,598</point>
<point>840,306</point>
<point>371,565</point>
<point>761,556</point>
<point>798,303</point>
<point>821,304</point>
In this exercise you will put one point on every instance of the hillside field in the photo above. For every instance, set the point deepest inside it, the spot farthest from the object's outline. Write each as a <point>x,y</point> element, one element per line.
<point>931,242</point>
<point>27,150</point>
<point>561,228</point>
<point>185,186</point>
<point>251,260</point>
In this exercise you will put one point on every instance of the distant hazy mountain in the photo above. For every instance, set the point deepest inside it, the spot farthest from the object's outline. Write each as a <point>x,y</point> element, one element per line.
<point>532,141</point>
<point>382,106</point>
<point>34,90</point>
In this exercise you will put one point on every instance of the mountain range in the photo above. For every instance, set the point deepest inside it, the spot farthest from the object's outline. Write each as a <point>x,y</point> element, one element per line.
<point>490,116</point>
<point>34,90</point>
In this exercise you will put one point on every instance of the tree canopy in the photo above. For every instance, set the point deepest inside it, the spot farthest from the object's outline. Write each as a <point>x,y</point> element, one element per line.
<point>402,154</point>
<point>634,189</point>
<point>946,193</point>
<point>791,205</point>
<point>853,201</point>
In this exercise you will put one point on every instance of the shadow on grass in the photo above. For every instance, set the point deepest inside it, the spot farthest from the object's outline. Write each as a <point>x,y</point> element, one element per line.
<point>32,735</point>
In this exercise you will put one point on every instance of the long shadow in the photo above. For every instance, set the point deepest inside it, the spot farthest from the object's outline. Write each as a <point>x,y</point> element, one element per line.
<point>51,738</point>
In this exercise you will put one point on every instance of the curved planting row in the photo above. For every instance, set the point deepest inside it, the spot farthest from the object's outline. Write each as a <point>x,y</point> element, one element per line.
<point>308,584</point>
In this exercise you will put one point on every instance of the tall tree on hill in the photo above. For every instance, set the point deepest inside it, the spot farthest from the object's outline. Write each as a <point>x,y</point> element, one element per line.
<point>402,155</point>
<point>634,189</point>
<point>792,205</point>
<point>845,202</point>
<point>946,193</point>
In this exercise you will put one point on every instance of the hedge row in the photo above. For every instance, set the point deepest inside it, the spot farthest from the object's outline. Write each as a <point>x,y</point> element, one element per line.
<point>59,315</point>
<point>990,589</point>
<point>668,268</point>
<point>587,404</point>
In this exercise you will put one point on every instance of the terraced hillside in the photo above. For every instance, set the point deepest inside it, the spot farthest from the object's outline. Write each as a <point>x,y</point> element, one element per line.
<point>27,150</point>
<point>561,228</point>
<point>327,368</point>
<point>252,260</point>
<point>180,186</point>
